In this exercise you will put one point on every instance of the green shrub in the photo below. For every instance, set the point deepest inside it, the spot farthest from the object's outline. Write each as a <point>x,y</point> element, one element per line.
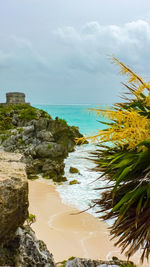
<point>28,114</point>
<point>31,219</point>
<point>20,141</point>
<point>62,121</point>
<point>71,258</point>
<point>20,130</point>
<point>4,137</point>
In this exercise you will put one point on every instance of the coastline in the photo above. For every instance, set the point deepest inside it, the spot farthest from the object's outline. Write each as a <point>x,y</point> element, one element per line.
<point>67,232</point>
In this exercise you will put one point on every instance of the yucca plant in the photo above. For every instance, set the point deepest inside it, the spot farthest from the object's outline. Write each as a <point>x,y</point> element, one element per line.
<point>125,164</point>
<point>126,199</point>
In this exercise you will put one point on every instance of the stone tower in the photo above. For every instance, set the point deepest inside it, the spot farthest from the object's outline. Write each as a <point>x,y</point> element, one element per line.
<point>15,98</point>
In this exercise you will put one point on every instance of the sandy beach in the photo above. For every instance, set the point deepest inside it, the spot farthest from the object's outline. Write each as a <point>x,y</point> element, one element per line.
<point>67,233</point>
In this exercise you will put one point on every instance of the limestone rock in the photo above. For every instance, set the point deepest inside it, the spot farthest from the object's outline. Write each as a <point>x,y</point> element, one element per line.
<point>30,251</point>
<point>28,129</point>
<point>26,251</point>
<point>52,150</point>
<point>13,195</point>
<point>79,262</point>
<point>41,124</point>
<point>74,170</point>
<point>34,134</point>
<point>45,136</point>
<point>72,182</point>
<point>19,246</point>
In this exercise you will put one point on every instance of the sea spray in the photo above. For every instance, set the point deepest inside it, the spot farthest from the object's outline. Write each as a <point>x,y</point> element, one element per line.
<point>82,194</point>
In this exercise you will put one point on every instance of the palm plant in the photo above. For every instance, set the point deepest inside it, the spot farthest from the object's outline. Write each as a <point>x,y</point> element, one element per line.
<point>125,164</point>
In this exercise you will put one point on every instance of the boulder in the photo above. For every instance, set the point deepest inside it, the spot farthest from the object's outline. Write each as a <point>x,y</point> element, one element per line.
<point>74,170</point>
<point>72,182</point>
<point>45,136</point>
<point>49,165</point>
<point>13,195</point>
<point>25,250</point>
<point>31,251</point>
<point>50,150</point>
<point>19,246</point>
<point>41,124</point>
<point>10,141</point>
<point>28,129</point>
<point>79,262</point>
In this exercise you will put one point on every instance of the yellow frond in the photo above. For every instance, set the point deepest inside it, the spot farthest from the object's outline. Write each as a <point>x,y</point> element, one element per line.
<point>129,127</point>
<point>147,101</point>
<point>133,77</point>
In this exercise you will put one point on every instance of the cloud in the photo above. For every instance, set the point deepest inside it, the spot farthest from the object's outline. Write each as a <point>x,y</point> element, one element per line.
<point>71,64</point>
<point>89,45</point>
<point>19,56</point>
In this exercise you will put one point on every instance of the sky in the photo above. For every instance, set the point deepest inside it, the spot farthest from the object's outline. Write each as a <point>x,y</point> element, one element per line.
<point>58,51</point>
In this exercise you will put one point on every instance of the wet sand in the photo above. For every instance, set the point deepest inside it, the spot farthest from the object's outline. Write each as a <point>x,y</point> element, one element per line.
<point>66,235</point>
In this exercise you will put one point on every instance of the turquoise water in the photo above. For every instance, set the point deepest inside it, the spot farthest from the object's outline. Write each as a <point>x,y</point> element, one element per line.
<point>76,115</point>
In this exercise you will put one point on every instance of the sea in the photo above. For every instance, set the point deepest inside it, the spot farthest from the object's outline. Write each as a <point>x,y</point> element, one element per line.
<point>80,195</point>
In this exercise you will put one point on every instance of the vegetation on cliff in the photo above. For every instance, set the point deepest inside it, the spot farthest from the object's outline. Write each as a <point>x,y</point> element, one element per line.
<point>43,142</point>
<point>23,113</point>
<point>123,160</point>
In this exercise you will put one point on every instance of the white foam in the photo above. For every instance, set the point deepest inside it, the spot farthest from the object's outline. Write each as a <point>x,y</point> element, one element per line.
<point>81,195</point>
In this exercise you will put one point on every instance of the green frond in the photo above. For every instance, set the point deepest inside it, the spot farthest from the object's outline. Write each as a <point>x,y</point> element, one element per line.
<point>125,165</point>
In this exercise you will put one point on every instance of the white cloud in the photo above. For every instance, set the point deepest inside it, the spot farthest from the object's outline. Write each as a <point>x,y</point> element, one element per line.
<point>89,46</point>
<point>74,59</point>
<point>19,56</point>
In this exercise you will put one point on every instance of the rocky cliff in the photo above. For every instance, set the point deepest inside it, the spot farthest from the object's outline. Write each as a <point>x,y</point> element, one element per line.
<point>13,195</point>
<point>18,244</point>
<point>43,142</point>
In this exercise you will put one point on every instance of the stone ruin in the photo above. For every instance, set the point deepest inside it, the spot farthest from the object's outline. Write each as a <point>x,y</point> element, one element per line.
<point>15,98</point>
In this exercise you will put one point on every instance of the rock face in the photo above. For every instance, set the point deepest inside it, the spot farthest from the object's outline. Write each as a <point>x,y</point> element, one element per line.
<point>13,195</point>
<point>26,251</point>
<point>30,251</point>
<point>18,244</point>
<point>43,142</point>
<point>78,262</point>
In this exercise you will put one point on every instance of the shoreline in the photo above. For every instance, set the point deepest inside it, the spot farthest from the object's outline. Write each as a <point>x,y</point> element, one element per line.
<point>79,235</point>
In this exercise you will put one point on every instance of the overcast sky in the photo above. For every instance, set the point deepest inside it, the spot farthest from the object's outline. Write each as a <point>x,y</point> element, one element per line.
<point>56,51</point>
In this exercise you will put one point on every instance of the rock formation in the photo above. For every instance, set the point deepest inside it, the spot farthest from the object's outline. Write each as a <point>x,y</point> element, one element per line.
<point>43,142</point>
<point>25,251</point>
<point>13,195</point>
<point>81,262</point>
<point>18,244</point>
